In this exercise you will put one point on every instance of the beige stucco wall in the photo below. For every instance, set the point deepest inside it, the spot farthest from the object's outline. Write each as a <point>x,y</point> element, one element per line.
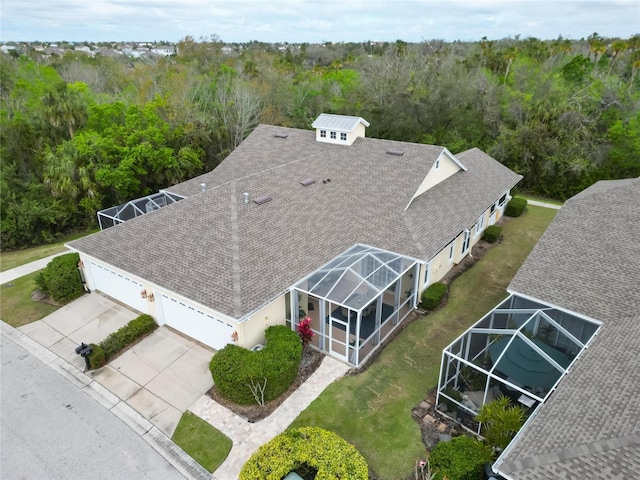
<point>446,168</point>
<point>251,331</point>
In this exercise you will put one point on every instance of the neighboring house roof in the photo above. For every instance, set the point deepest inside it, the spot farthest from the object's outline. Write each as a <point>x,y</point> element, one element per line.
<point>234,257</point>
<point>588,261</point>
<point>340,123</point>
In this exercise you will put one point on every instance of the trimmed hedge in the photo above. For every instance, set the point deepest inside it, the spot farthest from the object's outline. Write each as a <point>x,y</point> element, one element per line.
<point>492,233</point>
<point>97,358</point>
<point>332,456</point>
<point>61,279</point>
<point>121,339</point>
<point>235,368</point>
<point>433,295</point>
<point>461,458</point>
<point>515,207</point>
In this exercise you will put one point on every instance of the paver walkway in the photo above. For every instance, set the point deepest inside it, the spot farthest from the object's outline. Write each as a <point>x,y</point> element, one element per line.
<point>26,269</point>
<point>247,437</point>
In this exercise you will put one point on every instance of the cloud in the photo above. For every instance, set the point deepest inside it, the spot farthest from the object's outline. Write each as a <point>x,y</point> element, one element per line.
<point>314,21</point>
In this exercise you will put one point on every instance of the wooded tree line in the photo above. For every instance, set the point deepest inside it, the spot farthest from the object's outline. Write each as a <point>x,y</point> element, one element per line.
<point>79,133</point>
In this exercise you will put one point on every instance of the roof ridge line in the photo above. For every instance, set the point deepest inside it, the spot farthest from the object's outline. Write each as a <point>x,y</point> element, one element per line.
<point>576,451</point>
<point>236,275</point>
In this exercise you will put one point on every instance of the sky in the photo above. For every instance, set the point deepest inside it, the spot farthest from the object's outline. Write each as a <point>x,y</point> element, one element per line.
<point>312,21</point>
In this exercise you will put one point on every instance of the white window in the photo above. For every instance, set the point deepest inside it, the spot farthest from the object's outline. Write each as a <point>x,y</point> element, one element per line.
<point>323,133</point>
<point>480,224</point>
<point>343,137</point>
<point>451,252</point>
<point>465,243</point>
<point>333,135</point>
<point>437,164</point>
<point>503,199</point>
<point>426,275</point>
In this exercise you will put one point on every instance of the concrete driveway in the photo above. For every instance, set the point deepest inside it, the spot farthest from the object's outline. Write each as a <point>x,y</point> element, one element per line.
<point>160,377</point>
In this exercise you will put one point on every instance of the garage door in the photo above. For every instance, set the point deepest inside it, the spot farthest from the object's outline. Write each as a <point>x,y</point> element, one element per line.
<point>119,286</point>
<point>196,324</point>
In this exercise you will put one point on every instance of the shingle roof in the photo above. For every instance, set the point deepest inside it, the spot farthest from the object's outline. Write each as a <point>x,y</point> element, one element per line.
<point>234,257</point>
<point>588,261</point>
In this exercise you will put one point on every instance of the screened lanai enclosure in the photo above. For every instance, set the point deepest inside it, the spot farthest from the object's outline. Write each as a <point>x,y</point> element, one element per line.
<point>356,300</point>
<point>521,350</point>
<point>135,208</point>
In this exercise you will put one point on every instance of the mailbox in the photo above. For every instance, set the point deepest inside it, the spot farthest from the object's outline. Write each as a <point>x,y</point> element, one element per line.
<point>84,351</point>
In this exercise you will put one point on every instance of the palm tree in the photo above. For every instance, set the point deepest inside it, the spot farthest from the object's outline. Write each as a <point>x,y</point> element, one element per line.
<point>501,421</point>
<point>64,107</point>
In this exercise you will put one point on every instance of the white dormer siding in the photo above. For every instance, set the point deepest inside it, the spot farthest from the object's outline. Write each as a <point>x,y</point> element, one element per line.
<point>339,129</point>
<point>445,166</point>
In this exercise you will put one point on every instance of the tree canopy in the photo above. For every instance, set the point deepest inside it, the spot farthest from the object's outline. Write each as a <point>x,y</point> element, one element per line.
<point>81,133</point>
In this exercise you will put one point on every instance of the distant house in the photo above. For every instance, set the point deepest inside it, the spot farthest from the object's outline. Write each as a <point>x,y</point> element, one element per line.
<point>139,52</point>
<point>226,49</point>
<point>566,344</point>
<point>164,50</point>
<point>329,224</point>
<point>107,52</point>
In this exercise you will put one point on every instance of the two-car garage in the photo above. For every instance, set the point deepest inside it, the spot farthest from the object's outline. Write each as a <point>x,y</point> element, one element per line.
<point>164,307</point>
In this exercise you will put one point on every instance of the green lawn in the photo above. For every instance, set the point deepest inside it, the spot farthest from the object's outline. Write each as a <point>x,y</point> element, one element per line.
<point>205,444</point>
<point>373,410</point>
<point>16,306</point>
<point>15,258</point>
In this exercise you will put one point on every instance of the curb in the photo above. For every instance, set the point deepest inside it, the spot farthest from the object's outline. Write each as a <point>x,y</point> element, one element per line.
<point>160,442</point>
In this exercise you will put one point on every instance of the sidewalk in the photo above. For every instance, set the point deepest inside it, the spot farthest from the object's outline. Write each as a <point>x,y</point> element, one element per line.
<point>182,462</point>
<point>26,269</point>
<point>544,204</point>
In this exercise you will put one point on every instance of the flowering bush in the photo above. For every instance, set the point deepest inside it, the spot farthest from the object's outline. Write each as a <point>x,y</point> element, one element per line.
<point>304,330</point>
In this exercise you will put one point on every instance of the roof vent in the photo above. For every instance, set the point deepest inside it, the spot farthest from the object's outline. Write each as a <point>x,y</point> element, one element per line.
<point>203,187</point>
<point>261,200</point>
<point>246,197</point>
<point>396,153</point>
<point>307,181</point>
<point>281,135</point>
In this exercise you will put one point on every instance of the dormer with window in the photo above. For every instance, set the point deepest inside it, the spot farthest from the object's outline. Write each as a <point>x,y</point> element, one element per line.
<point>339,129</point>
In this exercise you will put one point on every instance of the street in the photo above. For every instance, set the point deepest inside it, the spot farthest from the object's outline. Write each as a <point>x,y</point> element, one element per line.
<point>51,430</point>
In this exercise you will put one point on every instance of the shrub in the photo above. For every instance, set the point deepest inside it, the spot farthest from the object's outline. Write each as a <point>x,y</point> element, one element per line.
<point>461,458</point>
<point>41,282</point>
<point>324,451</point>
<point>515,207</point>
<point>121,339</point>
<point>97,358</point>
<point>235,369</point>
<point>125,336</point>
<point>492,233</point>
<point>455,394</point>
<point>61,278</point>
<point>501,421</point>
<point>433,295</point>
<point>304,330</point>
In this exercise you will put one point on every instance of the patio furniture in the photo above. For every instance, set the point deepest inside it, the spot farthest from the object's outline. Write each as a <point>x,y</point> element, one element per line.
<point>524,366</point>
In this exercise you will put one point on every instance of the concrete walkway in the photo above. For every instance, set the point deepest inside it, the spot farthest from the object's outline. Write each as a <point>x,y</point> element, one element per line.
<point>247,437</point>
<point>26,269</point>
<point>544,204</point>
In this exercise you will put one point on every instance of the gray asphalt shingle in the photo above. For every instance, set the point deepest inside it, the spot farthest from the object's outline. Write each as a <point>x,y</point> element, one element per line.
<point>234,260</point>
<point>588,261</point>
